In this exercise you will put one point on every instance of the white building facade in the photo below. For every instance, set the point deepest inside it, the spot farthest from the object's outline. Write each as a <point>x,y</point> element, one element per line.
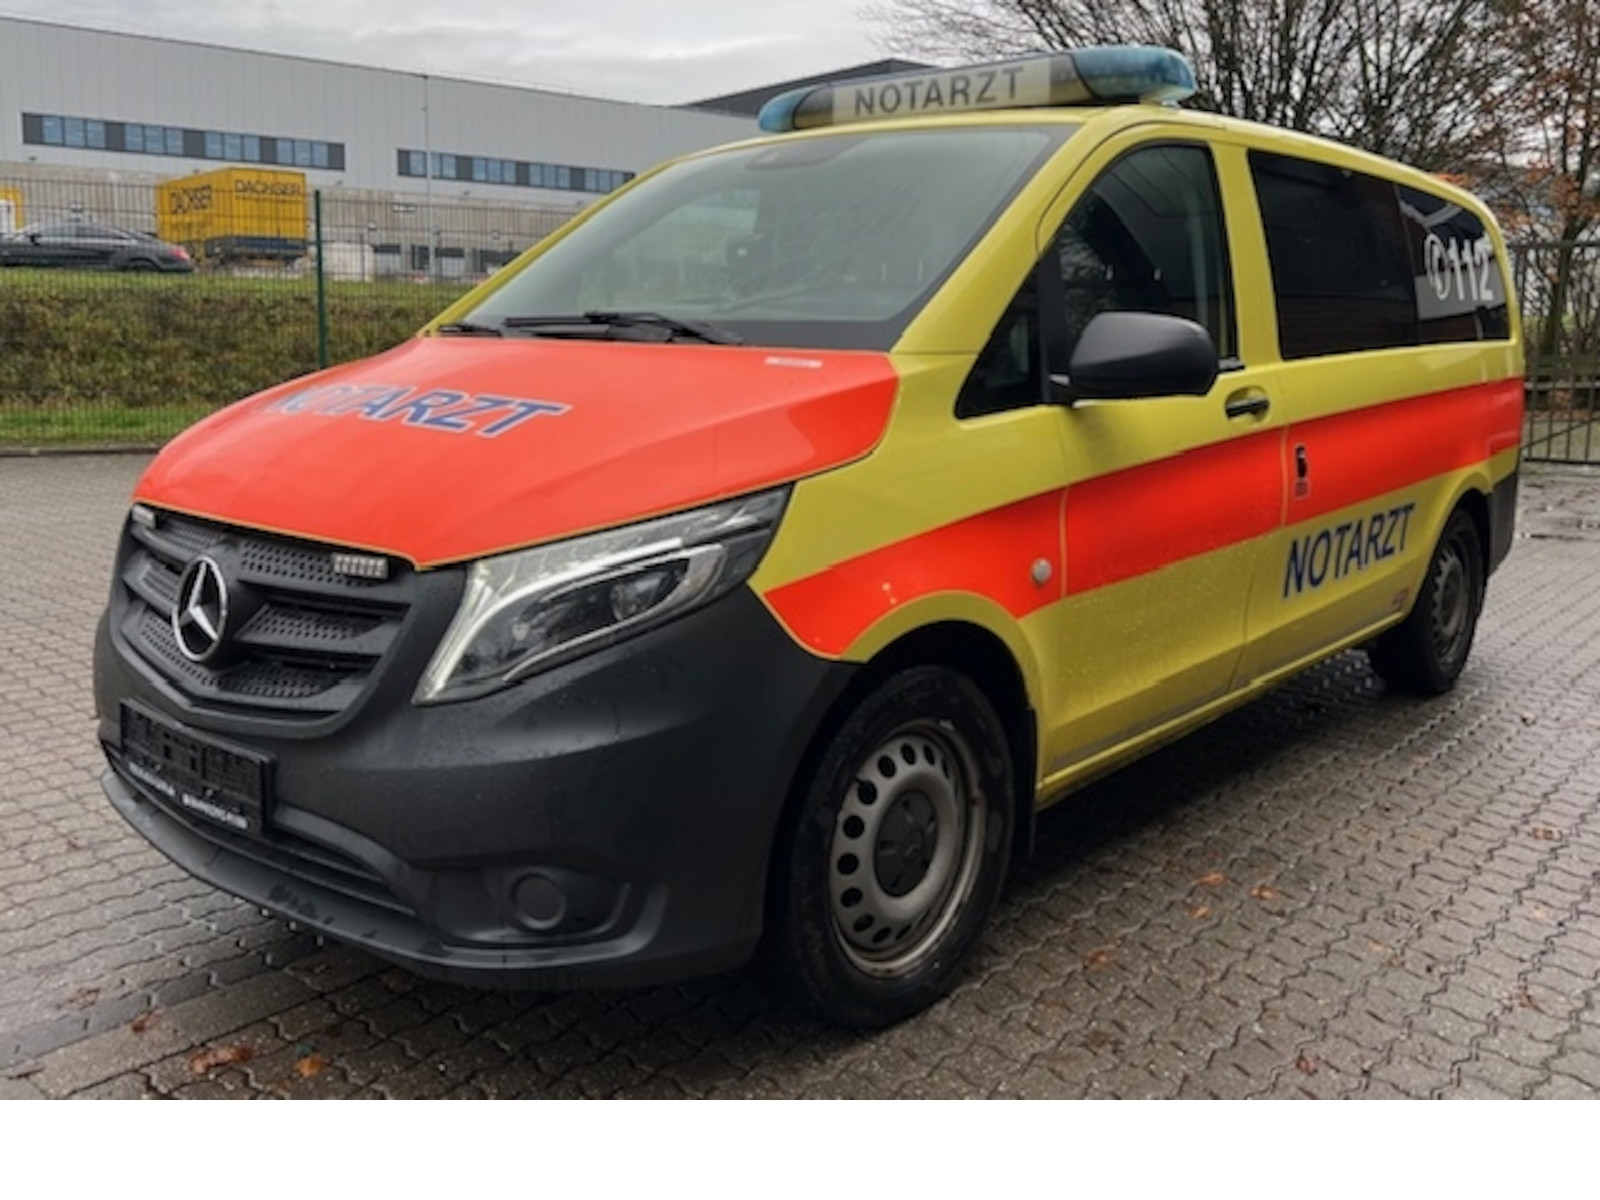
<point>150,108</point>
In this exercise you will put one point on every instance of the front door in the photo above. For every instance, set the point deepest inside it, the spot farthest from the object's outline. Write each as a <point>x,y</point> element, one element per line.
<point>1169,501</point>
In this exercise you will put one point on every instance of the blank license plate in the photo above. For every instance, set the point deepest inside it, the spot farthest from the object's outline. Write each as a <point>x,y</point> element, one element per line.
<point>222,784</point>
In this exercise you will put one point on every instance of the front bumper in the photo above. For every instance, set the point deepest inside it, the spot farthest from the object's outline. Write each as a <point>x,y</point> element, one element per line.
<point>608,822</point>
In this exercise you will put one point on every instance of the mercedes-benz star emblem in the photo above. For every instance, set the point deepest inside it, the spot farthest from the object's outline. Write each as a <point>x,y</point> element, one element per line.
<point>200,618</point>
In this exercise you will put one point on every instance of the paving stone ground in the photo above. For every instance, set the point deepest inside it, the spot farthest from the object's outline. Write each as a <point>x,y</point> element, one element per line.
<point>1332,892</point>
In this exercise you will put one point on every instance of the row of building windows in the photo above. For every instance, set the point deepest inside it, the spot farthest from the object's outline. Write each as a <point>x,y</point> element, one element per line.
<point>450,262</point>
<point>128,137</point>
<point>507,172</point>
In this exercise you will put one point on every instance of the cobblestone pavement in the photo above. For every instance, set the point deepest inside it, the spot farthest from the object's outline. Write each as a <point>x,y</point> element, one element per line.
<point>1330,893</point>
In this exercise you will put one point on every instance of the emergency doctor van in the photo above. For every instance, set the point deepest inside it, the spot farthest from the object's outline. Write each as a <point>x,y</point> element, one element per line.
<point>747,564</point>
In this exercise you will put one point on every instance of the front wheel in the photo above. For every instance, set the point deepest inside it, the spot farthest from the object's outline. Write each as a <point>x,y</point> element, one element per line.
<point>899,850</point>
<point>1425,654</point>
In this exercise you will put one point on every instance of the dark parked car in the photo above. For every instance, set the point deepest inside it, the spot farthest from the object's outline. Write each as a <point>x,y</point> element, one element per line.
<point>88,244</point>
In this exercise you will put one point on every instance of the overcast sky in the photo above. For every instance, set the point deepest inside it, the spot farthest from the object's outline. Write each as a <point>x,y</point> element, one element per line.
<point>659,51</point>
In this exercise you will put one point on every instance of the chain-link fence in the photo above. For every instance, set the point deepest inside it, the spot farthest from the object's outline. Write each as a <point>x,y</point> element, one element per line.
<point>1559,285</point>
<point>128,310</point>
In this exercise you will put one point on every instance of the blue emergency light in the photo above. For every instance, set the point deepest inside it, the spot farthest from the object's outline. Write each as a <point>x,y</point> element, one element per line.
<point>1092,75</point>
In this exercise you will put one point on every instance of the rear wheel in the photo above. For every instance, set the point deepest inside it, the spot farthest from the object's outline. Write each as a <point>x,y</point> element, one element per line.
<point>1425,654</point>
<point>899,851</point>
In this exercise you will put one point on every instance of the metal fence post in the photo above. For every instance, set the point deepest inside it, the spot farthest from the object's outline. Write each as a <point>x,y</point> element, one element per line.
<point>322,282</point>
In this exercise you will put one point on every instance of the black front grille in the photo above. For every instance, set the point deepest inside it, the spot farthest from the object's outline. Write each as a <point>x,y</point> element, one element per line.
<point>302,638</point>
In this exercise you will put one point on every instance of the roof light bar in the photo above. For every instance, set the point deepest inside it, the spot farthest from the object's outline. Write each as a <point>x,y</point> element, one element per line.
<point>1092,75</point>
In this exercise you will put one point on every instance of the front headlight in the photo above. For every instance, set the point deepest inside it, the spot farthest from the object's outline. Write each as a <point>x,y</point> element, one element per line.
<point>530,610</point>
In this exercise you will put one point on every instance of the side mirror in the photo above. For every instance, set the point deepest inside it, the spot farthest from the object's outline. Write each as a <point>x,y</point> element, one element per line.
<point>1136,355</point>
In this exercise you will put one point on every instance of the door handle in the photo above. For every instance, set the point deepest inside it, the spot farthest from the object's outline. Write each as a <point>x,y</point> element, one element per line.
<point>1246,404</point>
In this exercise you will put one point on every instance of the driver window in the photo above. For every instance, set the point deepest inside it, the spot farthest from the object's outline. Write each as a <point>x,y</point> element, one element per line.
<point>1148,237</point>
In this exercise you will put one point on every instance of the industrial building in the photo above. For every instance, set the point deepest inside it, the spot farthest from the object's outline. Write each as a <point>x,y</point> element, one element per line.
<point>446,175</point>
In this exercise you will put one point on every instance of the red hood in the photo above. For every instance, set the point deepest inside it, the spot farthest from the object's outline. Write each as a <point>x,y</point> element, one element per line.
<point>451,448</point>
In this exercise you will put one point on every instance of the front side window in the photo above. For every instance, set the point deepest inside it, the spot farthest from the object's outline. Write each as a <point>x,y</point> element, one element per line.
<point>1148,236</point>
<point>833,241</point>
<point>1341,269</point>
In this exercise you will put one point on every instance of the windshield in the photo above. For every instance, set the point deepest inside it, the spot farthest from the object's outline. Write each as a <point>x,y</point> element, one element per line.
<point>830,242</point>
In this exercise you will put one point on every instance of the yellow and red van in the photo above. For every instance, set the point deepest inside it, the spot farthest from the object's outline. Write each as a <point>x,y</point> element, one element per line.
<point>757,555</point>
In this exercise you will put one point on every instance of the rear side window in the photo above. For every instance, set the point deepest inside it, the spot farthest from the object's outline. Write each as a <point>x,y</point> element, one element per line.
<point>1459,283</point>
<point>1341,261</point>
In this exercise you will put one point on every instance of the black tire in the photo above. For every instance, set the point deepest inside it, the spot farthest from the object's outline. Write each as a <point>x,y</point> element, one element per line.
<point>1424,655</point>
<point>898,851</point>
<point>140,264</point>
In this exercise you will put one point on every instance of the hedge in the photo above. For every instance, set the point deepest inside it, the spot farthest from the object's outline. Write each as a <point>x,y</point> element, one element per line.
<point>87,357</point>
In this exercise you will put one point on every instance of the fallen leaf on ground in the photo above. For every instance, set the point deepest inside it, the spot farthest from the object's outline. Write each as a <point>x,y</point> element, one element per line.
<point>82,998</point>
<point>1200,911</point>
<point>1306,1063</point>
<point>1213,879</point>
<point>1100,1039</point>
<point>1263,892</point>
<point>219,1056</point>
<point>1096,959</point>
<point>310,1066</point>
<point>143,1021</point>
<point>1545,834</point>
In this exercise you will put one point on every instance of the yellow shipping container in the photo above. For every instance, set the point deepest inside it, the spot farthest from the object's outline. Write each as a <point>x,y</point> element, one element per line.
<point>10,210</point>
<point>234,213</point>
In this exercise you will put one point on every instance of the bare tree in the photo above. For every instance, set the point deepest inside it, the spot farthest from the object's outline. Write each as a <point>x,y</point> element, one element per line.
<point>1412,79</point>
<point>1423,81</point>
<point>1549,159</point>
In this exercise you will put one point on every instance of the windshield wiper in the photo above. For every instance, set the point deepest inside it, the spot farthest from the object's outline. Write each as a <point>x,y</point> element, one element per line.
<point>469,329</point>
<point>671,326</point>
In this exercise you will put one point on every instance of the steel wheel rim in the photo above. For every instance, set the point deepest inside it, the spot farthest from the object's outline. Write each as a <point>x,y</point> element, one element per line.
<point>1452,603</point>
<point>906,846</point>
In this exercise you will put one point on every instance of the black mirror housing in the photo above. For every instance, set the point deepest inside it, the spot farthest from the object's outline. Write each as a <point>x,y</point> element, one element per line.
<point>1136,355</point>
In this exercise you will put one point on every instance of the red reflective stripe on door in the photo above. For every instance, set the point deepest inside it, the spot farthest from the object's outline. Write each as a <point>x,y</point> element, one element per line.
<point>1354,456</point>
<point>1132,522</point>
<point>1148,517</point>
